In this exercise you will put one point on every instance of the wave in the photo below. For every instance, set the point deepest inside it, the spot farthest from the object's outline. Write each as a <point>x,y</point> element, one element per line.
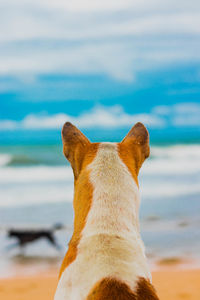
<point>36,174</point>
<point>21,160</point>
<point>37,185</point>
<point>170,189</point>
<point>177,151</point>
<point>17,160</point>
<point>173,160</point>
<point>31,155</point>
<point>5,159</point>
<point>51,155</point>
<point>170,172</point>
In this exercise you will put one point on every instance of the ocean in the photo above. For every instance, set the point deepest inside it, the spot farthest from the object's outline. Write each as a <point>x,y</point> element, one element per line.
<point>36,191</point>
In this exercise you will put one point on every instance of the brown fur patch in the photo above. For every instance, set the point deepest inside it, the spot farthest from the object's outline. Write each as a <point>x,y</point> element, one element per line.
<point>145,290</point>
<point>82,203</point>
<point>112,289</point>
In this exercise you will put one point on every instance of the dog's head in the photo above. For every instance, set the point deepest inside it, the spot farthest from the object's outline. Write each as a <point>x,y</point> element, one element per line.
<point>79,151</point>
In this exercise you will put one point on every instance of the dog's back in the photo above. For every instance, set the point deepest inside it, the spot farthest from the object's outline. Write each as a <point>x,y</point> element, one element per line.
<point>106,258</point>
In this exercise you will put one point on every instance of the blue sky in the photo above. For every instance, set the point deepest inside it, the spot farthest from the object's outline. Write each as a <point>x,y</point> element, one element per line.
<point>99,63</point>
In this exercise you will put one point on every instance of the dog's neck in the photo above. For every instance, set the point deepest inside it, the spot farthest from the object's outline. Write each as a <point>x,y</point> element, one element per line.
<point>115,200</point>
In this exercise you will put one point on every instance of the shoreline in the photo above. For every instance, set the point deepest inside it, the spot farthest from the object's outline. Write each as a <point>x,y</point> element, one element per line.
<point>34,266</point>
<point>170,284</point>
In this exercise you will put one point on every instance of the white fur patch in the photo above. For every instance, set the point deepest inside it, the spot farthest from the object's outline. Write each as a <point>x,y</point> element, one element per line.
<point>110,245</point>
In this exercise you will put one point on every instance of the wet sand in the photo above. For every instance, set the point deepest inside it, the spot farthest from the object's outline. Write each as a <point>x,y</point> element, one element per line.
<point>170,285</point>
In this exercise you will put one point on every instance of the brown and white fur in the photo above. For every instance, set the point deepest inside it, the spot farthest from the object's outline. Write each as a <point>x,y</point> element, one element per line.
<point>105,258</point>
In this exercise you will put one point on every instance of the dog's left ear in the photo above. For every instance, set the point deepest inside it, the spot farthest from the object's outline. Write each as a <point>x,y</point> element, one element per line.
<point>137,143</point>
<point>75,146</point>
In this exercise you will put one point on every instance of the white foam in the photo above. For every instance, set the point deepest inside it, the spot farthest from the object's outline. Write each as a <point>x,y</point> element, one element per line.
<point>171,167</point>
<point>5,159</point>
<point>172,172</point>
<point>168,189</point>
<point>177,151</point>
<point>35,174</point>
<point>29,194</point>
<point>35,185</point>
<point>174,160</point>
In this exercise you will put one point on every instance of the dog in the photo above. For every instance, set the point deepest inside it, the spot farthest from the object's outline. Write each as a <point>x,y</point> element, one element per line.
<point>26,236</point>
<point>105,258</point>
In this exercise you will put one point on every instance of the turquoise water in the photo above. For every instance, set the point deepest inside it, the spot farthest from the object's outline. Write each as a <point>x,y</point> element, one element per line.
<point>160,136</point>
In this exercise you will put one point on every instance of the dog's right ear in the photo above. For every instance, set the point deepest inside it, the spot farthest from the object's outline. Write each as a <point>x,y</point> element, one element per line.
<point>136,145</point>
<point>75,145</point>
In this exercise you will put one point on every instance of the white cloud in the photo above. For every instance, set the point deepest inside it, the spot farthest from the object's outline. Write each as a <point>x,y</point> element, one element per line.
<point>99,116</point>
<point>180,115</point>
<point>116,38</point>
<point>187,108</point>
<point>8,125</point>
<point>161,110</point>
<point>115,117</point>
<point>90,59</point>
<point>183,114</point>
<point>187,114</point>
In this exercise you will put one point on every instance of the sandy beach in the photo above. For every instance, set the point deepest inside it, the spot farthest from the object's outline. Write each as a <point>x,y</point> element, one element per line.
<point>170,285</point>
